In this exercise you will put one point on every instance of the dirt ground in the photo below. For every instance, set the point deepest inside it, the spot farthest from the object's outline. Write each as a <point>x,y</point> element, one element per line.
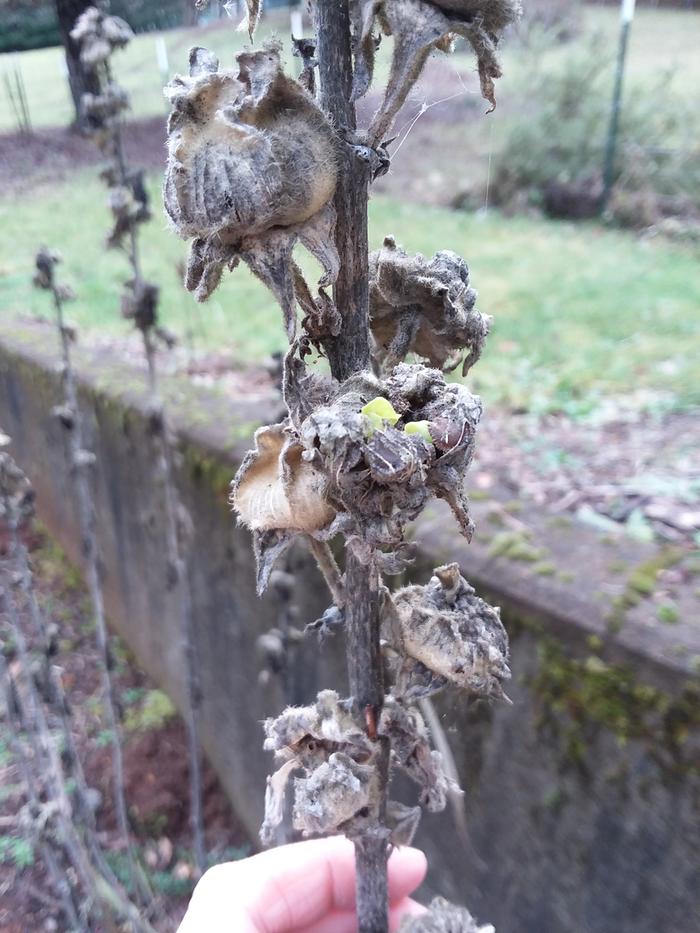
<point>155,760</point>
<point>53,154</point>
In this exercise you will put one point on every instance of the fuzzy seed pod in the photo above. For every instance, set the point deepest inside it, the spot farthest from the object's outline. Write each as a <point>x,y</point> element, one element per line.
<point>338,788</point>
<point>424,306</point>
<point>446,631</point>
<point>251,170</point>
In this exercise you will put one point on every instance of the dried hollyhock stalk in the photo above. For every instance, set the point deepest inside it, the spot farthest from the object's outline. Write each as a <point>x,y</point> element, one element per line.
<point>339,788</point>
<point>98,35</point>
<point>251,171</point>
<point>424,306</point>
<point>445,634</point>
<point>418,27</point>
<point>443,917</point>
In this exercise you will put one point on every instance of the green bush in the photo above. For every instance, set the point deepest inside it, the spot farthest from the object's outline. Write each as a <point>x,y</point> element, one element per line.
<point>555,146</point>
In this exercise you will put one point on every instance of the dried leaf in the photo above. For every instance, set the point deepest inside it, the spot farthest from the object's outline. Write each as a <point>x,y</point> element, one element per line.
<point>418,27</point>
<point>425,307</point>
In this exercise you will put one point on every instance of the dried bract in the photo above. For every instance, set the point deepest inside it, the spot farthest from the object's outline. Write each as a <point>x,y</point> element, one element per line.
<point>251,171</point>
<point>424,306</point>
<point>444,629</point>
<point>443,917</point>
<point>338,787</point>
<point>418,27</point>
<point>276,489</point>
<point>98,34</point>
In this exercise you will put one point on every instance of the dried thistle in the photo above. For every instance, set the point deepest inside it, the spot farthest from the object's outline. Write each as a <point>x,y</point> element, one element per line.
<point>251,171</point>
<point>445,634</point>
<point>418,27</point>
<point>424,306</point>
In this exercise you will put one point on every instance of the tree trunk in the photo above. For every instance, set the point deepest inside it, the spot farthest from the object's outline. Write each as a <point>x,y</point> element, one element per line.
<point>80,79</point>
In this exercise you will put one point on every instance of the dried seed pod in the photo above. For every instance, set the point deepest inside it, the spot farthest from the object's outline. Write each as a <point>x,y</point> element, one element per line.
<point>45,261</point>
<point>443,917</point>
<point>333,795</point>
<point>276,489</point>
<point>129,206</point>
<point>338,790</point>
<point>16,493</point>
<point>424,306</point>
<point>140,303</point>
<point>446,628</point>
<point>98,34</point>
<point>418,27</point>
<point>251,171</point>
<point>382,478</point>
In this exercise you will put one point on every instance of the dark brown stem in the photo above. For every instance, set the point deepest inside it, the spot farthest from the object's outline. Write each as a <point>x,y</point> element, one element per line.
<point>349,353</point>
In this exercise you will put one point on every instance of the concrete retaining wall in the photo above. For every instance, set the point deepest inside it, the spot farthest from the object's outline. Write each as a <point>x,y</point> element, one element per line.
<point>583,798</point>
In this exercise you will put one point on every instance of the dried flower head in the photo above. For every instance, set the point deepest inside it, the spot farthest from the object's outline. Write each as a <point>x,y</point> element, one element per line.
<point>251,171</point>
<point>128,204</point>
<point>338,787</point>
<point>363,461</point>
<point>443,917</point>
<point>46,261</point>
<point>418,27</point>
<point>16,493</point>
<point>98,34</point>
<point>381,470</point>
<point>140,303</point>
<point>424,306</point>
<point>445,634</point>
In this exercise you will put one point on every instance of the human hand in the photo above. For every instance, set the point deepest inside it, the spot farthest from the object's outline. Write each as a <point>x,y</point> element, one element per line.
<point>306,887</point>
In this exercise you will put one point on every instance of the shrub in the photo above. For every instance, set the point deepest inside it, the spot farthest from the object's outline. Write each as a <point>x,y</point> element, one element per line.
<point>554,150</point>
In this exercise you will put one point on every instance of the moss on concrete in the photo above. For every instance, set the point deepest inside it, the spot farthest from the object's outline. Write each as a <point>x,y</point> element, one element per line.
<point>578,697</point>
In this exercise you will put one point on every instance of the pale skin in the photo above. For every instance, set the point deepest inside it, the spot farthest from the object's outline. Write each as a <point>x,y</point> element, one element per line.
<point>305,886</point>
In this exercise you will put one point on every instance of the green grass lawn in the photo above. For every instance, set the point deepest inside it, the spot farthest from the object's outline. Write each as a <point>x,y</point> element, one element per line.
<point>580,312</point>
<point>661,41</point>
